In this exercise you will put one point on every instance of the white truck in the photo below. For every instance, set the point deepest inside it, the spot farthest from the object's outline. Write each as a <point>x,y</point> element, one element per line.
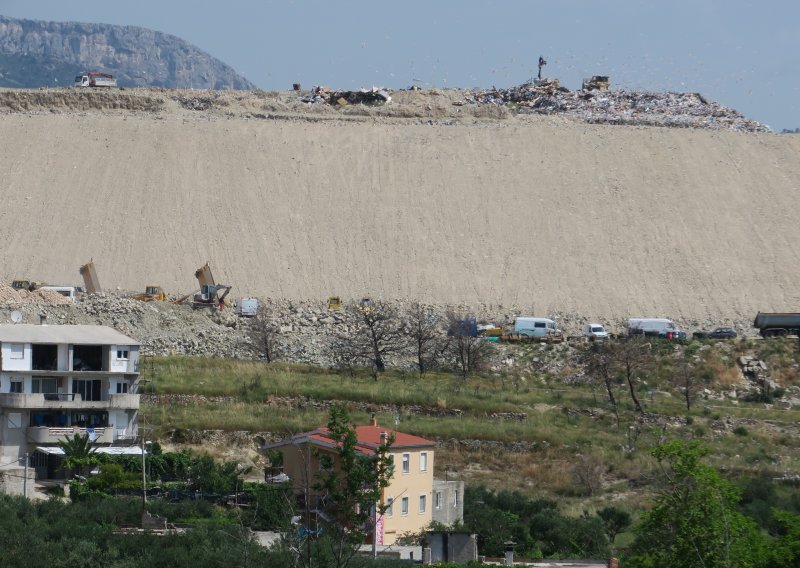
<point>95,79</point>
<point>654,327</point>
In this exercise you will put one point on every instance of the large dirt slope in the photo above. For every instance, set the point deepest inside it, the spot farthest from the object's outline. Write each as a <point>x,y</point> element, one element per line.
<point>419,199</point>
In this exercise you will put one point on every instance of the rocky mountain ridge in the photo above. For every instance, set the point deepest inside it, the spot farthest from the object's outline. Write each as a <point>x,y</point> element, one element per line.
<point>138,57</point>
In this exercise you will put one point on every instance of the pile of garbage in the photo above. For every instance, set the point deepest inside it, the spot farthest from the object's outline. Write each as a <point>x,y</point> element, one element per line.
<point>9,295</point>
<point>324,95</point>
<point>636,108</point>
<point>194,103</point>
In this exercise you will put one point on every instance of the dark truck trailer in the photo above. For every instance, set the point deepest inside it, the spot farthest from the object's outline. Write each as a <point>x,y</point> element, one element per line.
<point>777,325</point>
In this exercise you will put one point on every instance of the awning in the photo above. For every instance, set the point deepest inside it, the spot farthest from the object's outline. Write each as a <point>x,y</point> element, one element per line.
<point>111,450</point>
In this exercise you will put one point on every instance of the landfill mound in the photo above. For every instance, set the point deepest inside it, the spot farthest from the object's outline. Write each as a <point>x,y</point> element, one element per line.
<point>426,197</point>
<point>73,100</point>
<point>621,107</point>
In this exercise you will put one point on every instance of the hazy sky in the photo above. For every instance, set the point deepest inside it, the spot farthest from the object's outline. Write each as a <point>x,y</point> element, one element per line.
<point>743,54</point>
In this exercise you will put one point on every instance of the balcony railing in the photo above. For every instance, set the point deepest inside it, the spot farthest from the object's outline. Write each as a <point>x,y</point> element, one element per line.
<point>47,435</point>
<point>68,401</point>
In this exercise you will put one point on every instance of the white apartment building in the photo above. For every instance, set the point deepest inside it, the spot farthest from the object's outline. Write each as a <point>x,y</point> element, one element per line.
<point>57,380</point>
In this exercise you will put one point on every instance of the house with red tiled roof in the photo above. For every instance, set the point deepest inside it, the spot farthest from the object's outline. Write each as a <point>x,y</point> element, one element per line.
<point>408,498</point>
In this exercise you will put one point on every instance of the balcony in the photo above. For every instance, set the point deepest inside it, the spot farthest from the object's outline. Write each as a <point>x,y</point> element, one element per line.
<point>68,401</point>
<point>45,435</point>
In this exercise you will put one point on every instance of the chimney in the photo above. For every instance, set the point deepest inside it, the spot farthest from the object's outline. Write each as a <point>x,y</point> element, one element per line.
<point>42,319</point>
<point>384,438</point>
<point>373,421</point>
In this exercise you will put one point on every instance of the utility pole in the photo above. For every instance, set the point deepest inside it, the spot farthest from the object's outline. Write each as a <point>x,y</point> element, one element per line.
<point>374,531</point>
<point>144,478</point>
<point>25,479</point>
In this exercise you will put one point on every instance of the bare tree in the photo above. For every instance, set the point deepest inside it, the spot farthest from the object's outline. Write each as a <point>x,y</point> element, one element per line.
<point>599,363</point>
<point>265,335</point>
<point>631,358</point>
<point>468,352</point>
<point>376,332</point>
<point>588,474</point>
<point>688,379</point>
<point>425,331</point>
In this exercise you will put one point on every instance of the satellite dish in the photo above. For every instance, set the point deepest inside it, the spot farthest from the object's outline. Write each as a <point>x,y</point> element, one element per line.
<point>16,316</point>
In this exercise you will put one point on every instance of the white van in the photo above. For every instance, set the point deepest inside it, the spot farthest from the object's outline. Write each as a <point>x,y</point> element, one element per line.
<point>535,327</point>
<point>654,327</point>
<point>595,331</point>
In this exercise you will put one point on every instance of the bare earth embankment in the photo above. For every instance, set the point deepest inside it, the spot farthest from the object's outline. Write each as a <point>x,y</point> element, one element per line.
<point>420,198</point>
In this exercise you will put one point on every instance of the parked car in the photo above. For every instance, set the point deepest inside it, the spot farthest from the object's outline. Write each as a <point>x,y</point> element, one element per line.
<point>718,333</point>
<point>595,331</point>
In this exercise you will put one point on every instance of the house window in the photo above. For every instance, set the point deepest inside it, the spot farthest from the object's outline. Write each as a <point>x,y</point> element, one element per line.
<point>455,498</point>
<point>122,388</point>
<point>17,350</point>
<point>390,506</point>
<point>16,386</point>
<point>404,506</point>
<point>326,463</point>
<point>423,461</point>
<point>437,500</point>
<point>406,463</point>
<point>422,503</point>
<point>122,354</point>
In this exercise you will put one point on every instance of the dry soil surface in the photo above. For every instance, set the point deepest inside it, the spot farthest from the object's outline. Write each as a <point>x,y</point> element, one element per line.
<point>419,199</point>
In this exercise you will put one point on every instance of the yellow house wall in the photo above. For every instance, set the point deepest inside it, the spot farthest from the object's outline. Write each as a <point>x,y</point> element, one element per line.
<point>411,485</point>
<point>301,465</point>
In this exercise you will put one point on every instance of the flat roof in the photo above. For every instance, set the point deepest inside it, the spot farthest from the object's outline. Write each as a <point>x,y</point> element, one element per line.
<point>61,334</point>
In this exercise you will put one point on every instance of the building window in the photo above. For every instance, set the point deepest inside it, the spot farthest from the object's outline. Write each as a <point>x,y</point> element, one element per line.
<point>17,351</point>
<point>390,506</point>
<point>16,386</point>
<point>423,461</point>
<point>122,388</point>
<point>406,463</point>
<point>437,500</point>
<point>44,385</point>
<point>455,498</point>
<point>422,503</point>
<point>122,354</point>
<point>404,506</point>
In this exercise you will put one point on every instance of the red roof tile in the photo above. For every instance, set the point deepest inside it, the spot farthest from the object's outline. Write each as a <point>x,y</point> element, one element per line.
<point>369,438</point>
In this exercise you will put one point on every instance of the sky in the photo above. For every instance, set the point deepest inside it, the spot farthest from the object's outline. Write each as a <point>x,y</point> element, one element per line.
<point>743,54</point>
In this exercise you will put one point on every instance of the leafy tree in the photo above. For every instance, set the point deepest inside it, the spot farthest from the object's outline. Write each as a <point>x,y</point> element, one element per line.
<point>786,551</point>
<point>695,522</point>
<point>208,476</point>
<point>79,455</point>
<point>350,486</point>
<point>614,521</point>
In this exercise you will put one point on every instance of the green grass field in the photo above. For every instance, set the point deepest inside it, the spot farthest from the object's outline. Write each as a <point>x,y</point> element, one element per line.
<point>565,425</point>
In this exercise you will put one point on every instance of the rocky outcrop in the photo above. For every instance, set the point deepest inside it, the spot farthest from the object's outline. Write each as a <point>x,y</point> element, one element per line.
<point>137,57</point>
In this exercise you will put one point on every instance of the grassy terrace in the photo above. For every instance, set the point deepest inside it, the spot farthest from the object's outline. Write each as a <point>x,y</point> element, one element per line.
<point>563,421</point>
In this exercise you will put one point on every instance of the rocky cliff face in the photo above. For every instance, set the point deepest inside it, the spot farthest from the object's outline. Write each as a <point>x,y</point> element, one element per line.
<point>135,56</point>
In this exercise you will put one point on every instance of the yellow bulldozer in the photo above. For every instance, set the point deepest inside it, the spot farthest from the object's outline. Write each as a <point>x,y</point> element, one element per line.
<point>151,294</point>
